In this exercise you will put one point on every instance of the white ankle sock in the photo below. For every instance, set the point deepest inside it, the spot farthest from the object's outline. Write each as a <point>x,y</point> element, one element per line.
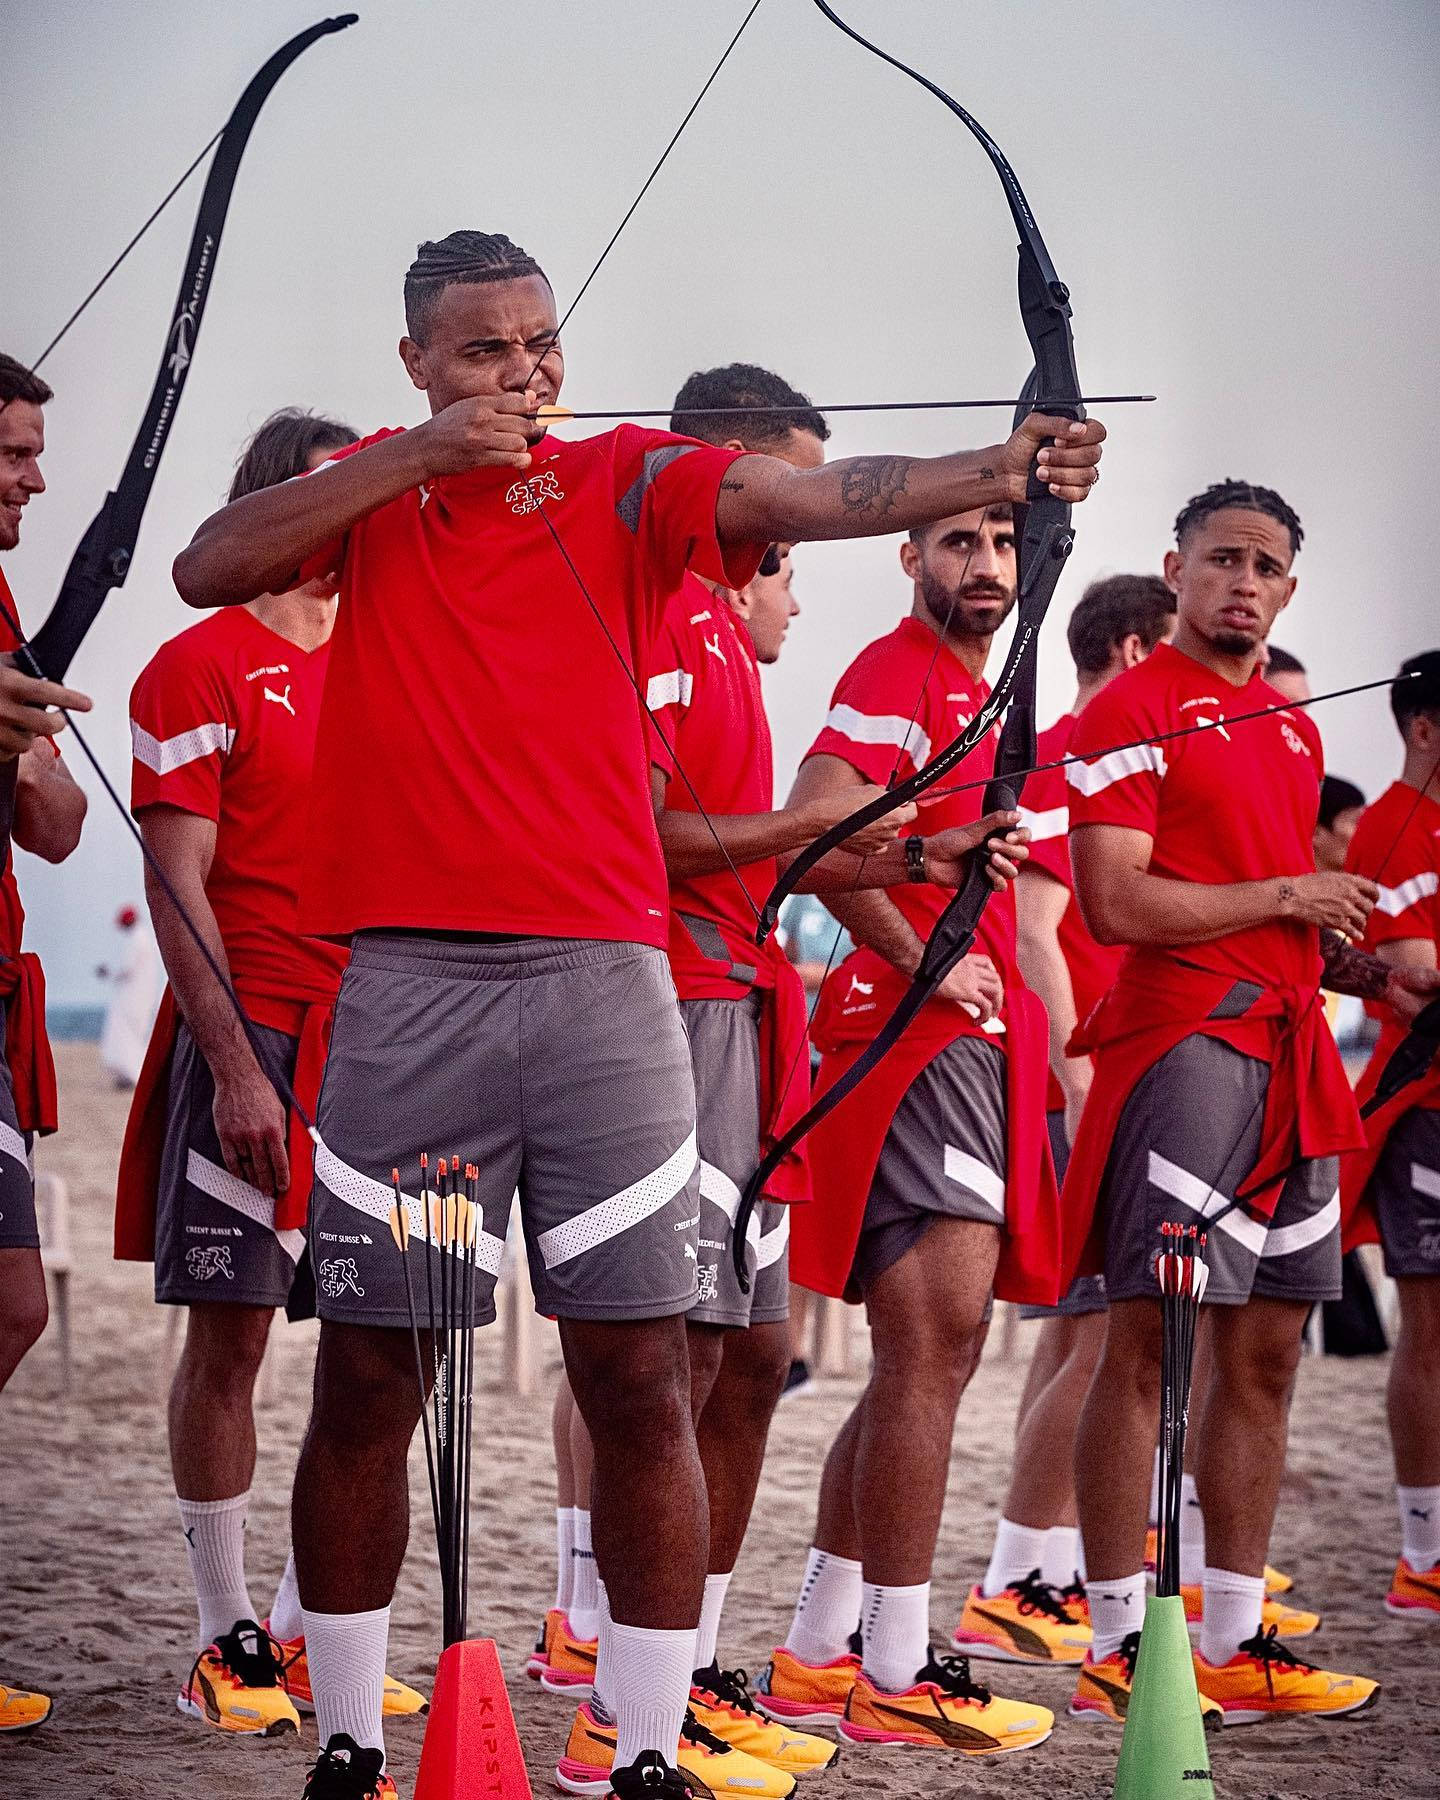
<point>215,1544</point>
<point>1018,1549</point>
<point>651,1673</point>
<point>346,1656</point>
<point>1232,1613</point>
<point>1420,1525</point>
<point>708,1636</point>
<point>603,1691</point>
<point>1192,1534</point>
<point>1116,1609</point>
<point>1060,1565</point>
<point>285,1620</point>
<point>895,1622</point>
<point>564,1545</point>
<point>584,1607</point>
<point>828,1609</point>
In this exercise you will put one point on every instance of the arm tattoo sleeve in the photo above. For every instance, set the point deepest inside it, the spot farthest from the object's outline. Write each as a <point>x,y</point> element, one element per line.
<point>1349,970</point>
<point>873,483</point>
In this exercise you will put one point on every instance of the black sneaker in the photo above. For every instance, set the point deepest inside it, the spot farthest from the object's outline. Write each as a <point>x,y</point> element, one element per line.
<point>343,1771</point>
<point>649,1777</point>
<point>798,1381</point>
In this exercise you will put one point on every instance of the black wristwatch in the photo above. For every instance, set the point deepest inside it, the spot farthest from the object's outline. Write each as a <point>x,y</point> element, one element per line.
<point>915,858</point>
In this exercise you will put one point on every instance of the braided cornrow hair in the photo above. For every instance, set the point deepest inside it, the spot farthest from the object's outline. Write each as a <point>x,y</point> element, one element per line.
<point>1223,495</point>
<point>464,256</point>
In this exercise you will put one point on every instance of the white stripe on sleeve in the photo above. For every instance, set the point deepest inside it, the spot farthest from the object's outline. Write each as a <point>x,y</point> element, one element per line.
<point>1054,822</point>
<point>880,728</point>
<point>165,755</point>
<point>673,688</point>
<point>1396,900</point>
<point>1116,765</point>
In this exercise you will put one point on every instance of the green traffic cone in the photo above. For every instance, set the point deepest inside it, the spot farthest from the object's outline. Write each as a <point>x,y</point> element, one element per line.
<point>1163,1755</point>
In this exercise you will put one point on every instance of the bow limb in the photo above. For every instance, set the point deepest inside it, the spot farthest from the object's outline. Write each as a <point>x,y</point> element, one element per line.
<point>1409,1060</point>
<point>103,558</point>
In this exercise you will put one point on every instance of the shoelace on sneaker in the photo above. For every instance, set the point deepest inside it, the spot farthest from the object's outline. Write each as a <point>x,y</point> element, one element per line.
<point>693,1732</point>
<point>951,1674</point>
<point>1037,1596</point>
<point>344,1771</point>
<point>732,1686</point>
<point>258,1663</point>
<point>1269,1649</point>
<point>651,1776</point>
<point>1075,1594</point>
<point>1128,1653</point>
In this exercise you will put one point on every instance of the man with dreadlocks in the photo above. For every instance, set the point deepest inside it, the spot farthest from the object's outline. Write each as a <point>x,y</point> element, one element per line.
<point>42,810</point>
<point>213,1188</point>
<point>527,577</point>
<point>1391,1190</point>
<point>1213,1069</point>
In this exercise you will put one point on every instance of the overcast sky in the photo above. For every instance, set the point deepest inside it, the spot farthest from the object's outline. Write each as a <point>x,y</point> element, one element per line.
<point>1241,195</point>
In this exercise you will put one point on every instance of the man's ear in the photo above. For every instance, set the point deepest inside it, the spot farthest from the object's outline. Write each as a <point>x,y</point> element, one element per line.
<point>910,559</point>
<point>737,599</point>
<point>413,357</point>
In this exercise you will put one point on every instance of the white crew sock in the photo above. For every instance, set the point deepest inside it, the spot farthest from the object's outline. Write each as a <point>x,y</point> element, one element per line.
<point>895,1622</point>
<point>285,1620</point>
<point>584,1607</point>
<point>1192,1534</point>
<point>708,1637</point>
<point>1420,1525</point>
<point>603,1691</point>
<point>828,1609</point>
<point>1116,1609</point>
<point>1233,1606</point>
<point>346,1655</point>
<point>215,1544</point>
<point>1060,1565</point>
<point>651,1673</point>
<point>1018,1549</point>
<point>564,1569</point>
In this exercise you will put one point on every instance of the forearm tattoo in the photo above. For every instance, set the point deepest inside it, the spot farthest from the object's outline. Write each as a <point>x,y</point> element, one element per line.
<point>1349,970</point>
<point>873,484</point>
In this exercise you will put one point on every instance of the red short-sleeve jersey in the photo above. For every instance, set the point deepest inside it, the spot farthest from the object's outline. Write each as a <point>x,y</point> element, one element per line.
<point>222,724</point>
<point>1397,845</point>
<point>704,696</point>
<point>875,725</point>
<point>483,761</point>
<point>1236,803</point>
<point>1045,812</point>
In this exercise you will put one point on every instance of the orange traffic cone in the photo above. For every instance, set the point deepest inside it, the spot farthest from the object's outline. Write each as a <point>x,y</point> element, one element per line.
<point>472,1749</point>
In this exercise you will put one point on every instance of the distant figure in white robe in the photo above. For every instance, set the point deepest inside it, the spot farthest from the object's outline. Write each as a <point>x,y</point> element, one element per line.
<point>135,985</point>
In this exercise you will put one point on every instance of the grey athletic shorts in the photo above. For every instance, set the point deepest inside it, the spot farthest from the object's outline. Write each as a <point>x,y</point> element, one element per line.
<point>1199,1104</point>
<point>725,1054</point>
<point>1405,1188</point>
<point>944,1156</point>
<point>19,1229</point>
<point>215,1236</point>
<point>558,1066</point>
<point>1086,1293</point>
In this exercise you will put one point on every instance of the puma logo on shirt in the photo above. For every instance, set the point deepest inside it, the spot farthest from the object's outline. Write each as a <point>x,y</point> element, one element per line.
<point>281,699</point>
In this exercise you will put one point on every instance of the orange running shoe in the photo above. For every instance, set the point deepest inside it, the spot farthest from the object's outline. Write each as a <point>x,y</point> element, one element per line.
<point>1413,1591</point>
<point>1275,1582</point>
<point>810,1696</point>
<point>710,1767</point>
<point>1027,1622</point>
<point>539,1657</point>
<point>1289,1621</point>
<point>570,1668</point>
<point>20,1710</point>
<point>721,1700</point>
<point>1265,1678</point>
<point>944,1710</point>
<point>236,1684</point>
<point>1102,1689</point>
<point>399,1701</point>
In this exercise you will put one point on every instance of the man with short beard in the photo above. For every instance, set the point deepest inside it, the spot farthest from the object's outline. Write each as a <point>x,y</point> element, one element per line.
<point>933,1184</point>
<point>1216,1081</point>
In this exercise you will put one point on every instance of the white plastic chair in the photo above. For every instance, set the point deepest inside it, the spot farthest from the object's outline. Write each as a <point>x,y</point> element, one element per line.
<point>52,1208</point>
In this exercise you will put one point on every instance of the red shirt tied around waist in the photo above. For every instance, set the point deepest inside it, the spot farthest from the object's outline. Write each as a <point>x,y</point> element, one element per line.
<point>1045,813</point>
<point>875,725</point>
<point>1234,803</point>
<point>1397,845</point>
<point>522,803</point>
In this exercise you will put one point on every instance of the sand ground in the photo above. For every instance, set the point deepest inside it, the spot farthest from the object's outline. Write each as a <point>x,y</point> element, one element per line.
<point>97,1611</point>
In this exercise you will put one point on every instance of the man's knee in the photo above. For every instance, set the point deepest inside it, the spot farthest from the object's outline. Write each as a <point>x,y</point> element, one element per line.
<point>630,1379</point>
<point>366,1384</point>
<point>705,1346</point>
<point>756,1364</point>
<point>224,1347</point>
<point>1129,1360</point>
<point>23,1319</point>
<point>1257,1349</point>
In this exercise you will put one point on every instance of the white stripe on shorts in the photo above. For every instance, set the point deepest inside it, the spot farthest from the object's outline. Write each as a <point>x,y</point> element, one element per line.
<point>608,1218</point>
<point>212,1179</point>
<point>717,1187</point>
<point>976,1178</point>
<point>1425,1181</point>
<point>13,1144</point>
<point>772,1246</point>
<point>377,1200</point>
<point>1191,1191</point>
<point>1285,1240</point>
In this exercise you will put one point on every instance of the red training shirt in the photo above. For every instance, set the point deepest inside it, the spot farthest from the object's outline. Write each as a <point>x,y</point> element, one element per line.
<point>1397,845</point>
<point>1232,804</point>
<point>483,761</point>
<point>705,699</point>
<point>222,724</point>
<point>875,725</point>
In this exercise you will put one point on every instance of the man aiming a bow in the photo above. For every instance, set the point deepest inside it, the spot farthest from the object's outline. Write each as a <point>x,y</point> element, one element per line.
<point>529,577</point>
<point>928,1178</point>
<point>1391,1190</point>
<point>42,810</point>
<point>1218,1097</point>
